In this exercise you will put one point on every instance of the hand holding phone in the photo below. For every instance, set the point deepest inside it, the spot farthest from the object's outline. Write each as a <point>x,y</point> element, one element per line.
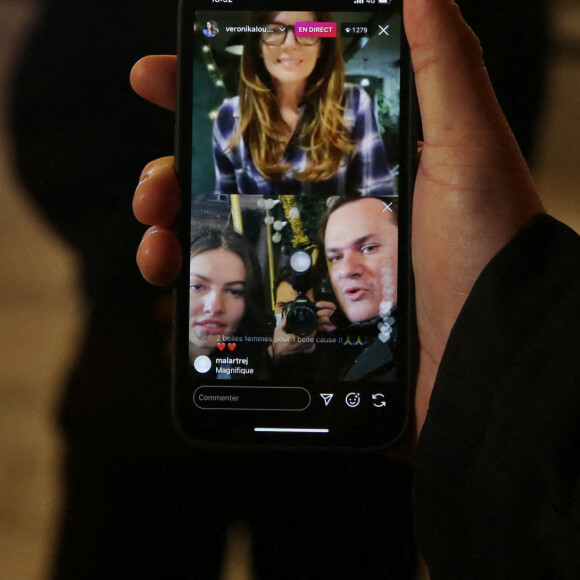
<point>446,237</point>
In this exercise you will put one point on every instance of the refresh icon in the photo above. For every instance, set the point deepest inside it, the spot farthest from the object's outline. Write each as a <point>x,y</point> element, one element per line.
<point>378,400</point>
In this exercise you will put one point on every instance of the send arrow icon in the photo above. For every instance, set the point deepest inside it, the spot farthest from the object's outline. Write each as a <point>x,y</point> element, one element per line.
<point>327,397</point>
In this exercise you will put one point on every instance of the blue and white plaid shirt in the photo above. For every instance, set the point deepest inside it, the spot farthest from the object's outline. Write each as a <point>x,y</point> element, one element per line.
<point>365,171</point>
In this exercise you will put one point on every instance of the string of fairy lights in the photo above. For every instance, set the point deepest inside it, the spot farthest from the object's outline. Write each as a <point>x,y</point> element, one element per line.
<point>212,69</point>
<point>292,215</point>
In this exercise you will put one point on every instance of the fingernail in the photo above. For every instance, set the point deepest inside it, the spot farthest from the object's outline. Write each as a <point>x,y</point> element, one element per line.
<point>146,173</point>
<point>152,230</point>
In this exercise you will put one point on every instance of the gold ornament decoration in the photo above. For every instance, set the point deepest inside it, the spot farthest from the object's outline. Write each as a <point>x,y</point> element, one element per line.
<point>299,239</point>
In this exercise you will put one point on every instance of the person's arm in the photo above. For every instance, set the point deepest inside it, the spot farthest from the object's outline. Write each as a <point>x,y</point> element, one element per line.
<point>496,477</point>
<point>473,191</point>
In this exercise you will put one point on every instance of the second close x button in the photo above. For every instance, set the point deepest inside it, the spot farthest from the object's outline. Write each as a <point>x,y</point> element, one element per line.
<point>251,398</point>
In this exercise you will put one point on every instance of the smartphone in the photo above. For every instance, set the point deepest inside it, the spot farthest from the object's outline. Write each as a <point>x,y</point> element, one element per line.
<point>295,153</point>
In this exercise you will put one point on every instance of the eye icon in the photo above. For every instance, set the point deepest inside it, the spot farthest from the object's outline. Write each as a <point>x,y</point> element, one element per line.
<point>353,399</point>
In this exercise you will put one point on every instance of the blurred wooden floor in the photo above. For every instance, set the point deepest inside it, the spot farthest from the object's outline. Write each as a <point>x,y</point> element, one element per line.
<point>41,313</point>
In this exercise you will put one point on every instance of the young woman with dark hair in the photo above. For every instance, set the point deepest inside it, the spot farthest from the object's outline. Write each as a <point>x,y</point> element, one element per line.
<point>226,290</point>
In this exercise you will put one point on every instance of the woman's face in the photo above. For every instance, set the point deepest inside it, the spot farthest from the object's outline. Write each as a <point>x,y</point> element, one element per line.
<point>216,296</point>
<point>290,63</point>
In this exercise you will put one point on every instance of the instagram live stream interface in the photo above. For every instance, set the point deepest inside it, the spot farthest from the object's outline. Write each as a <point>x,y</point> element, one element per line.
<point>294,230</point>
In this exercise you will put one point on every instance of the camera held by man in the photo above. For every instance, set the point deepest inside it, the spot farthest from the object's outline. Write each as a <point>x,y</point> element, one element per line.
<point>301,313</point>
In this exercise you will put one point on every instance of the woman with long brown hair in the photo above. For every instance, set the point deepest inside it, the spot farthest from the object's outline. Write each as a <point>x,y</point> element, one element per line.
<point>226,290</point>
<point>296,126</point>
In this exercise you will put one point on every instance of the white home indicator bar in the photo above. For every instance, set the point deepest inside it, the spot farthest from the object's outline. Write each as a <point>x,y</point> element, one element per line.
<point>288,430</point>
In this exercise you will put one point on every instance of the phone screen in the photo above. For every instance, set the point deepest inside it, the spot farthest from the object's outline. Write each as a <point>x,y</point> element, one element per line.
<point>295,155</point>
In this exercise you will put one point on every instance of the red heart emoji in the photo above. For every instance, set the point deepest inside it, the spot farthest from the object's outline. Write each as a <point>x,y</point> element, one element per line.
<point>221,345</point>
<point>232,346</point>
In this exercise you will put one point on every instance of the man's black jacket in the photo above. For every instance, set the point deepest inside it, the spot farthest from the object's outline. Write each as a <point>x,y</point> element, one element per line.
<point>497,489</point>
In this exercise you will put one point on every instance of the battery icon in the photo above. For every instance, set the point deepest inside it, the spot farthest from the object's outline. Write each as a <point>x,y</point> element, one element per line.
<point>384,1</point>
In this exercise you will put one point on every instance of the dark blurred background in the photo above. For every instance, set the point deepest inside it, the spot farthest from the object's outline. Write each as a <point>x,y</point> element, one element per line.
<point>46,294</point>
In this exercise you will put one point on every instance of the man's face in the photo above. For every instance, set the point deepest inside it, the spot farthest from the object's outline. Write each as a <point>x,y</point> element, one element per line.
<point>361,253</point>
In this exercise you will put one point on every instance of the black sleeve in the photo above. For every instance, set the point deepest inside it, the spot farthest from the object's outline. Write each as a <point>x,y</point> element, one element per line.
<point>496,488</point>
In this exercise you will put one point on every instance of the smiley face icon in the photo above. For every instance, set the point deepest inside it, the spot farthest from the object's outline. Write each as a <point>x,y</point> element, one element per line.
<point>352,399</point>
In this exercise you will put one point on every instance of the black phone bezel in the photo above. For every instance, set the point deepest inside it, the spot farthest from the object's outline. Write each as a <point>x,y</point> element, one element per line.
<point>182,405</point>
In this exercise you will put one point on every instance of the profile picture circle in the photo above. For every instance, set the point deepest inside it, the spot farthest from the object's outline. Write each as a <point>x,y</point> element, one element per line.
<point>211,29</point>
<point>202,364</point>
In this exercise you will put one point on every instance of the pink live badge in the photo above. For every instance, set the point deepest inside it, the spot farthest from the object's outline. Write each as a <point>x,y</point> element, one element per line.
<point>320,29</point>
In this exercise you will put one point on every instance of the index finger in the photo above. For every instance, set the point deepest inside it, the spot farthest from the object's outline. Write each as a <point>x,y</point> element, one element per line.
<point>155,78</point>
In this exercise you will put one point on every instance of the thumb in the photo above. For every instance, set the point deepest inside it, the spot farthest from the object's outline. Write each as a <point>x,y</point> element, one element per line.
<point>455,95</point>
<point>472,179</point>
<point>473,191</point>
